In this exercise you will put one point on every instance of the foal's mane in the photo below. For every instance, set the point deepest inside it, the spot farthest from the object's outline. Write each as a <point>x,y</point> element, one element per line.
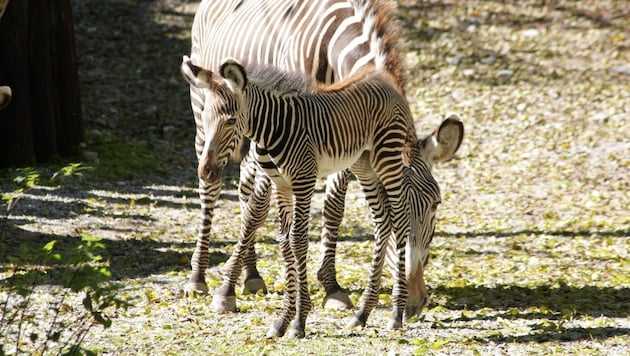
<point>280,81</point>
<point>286,82</point>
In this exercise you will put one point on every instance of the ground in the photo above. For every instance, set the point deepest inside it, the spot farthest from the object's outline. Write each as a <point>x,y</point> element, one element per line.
<point>531,251</point>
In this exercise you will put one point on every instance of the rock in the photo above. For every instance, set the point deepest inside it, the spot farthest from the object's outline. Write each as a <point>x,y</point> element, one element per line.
<point>489,60</point>
<point>454,59</point>
<point>90,156</point>
<point>622,69</point>
<point>505,73</point>
<point>530,32</point>
<point>600,117</point>
<point>468,72</point>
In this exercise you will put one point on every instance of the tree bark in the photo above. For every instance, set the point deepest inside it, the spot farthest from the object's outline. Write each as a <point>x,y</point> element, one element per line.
<point>38,62</point>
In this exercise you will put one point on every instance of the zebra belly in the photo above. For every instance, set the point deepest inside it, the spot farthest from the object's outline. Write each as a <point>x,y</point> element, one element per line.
<point>332,164</point>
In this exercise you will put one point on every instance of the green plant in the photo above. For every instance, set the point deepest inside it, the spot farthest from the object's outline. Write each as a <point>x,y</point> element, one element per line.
<point>71,170</point>
<point>28,178</point>
<point>86,299</point>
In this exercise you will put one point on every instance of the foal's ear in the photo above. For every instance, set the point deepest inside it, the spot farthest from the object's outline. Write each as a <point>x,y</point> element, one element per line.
<point>234,75</point>
<point>194,75</point>
<point>442,144</point>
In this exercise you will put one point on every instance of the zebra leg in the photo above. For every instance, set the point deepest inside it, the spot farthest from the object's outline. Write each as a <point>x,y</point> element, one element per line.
<point>399,292</point>
<point>279,327</point>
<point>334,204</point>
<point>256,214</point>
<point>253,282</point>
<point>303,193</point>
<point>253,216</point>
<point>379,208</point>
<point>254,195</point>
<point>391,177</point>
<point>208,196</point>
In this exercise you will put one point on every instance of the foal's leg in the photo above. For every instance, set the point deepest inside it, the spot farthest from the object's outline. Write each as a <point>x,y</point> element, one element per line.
<point>285,209</point>
<point>379,208</point>
<point>254,195</point>
<point>253,216</point>
<point>390,173</point>
<point>303,190</point>
<point>334,204</point>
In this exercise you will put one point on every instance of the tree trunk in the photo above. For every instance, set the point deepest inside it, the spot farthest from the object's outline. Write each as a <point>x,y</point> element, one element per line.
<point>38,62</point>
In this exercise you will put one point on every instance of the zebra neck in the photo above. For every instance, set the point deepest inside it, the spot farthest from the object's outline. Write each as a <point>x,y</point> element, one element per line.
<point>272,118</point>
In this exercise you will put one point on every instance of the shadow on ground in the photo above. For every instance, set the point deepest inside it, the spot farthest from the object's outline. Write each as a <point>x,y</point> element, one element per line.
<point>128,258</point>
<point>557,300</point>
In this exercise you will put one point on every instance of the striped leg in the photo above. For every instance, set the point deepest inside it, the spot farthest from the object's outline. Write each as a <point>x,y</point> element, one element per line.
<point>379,208</point>
<point>401,232</point>
<point>253,216</point>
<point>303,193</point>
<point>208,196</point>
<point>391,179</point>
<point>297,301</point>
<point>334,204</point>
<point>254,207</point>
<point>253,282</point>
<point>279,327</point>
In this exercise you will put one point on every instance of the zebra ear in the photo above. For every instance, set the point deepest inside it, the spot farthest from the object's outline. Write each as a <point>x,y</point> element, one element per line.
<point>442,144</point>
<point>194,75</point>
<point>234,74</point>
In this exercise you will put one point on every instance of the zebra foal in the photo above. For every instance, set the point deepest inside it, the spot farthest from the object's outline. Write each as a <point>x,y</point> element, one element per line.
<point>328,40</point>
<point>304,132</point>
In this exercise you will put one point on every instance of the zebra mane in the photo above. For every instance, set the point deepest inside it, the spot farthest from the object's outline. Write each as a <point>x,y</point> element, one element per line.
<point>285,82</point>
<point>381,22</point>
<point>279,80</point>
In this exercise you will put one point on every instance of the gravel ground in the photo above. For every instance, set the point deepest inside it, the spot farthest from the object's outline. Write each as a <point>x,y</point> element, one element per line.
<point>531,248</point>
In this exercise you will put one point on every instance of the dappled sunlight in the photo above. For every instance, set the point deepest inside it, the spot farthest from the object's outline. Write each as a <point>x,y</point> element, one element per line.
<point>532,241</point>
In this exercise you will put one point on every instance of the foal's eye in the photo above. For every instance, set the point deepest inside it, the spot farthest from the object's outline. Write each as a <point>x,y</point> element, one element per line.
<point>435,206</point>
<point>230,121</point>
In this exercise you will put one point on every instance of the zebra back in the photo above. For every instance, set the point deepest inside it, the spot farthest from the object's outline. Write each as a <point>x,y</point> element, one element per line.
<point>328,40</point>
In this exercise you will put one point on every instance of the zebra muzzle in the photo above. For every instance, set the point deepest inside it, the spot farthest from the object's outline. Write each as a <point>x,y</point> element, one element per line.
<point>417,291</point>
<point>209,171</point>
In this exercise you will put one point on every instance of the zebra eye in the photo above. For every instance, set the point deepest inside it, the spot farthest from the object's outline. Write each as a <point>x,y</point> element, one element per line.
<point>435,206</point>
<point>230,121</point>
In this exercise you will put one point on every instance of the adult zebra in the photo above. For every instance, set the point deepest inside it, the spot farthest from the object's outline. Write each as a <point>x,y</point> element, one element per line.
<point>329,40</point>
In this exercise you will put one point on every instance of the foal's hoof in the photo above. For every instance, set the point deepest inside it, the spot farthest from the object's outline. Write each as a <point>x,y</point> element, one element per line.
<point>276,330</point>
<point>394,324</point>
<point>337,301</point>
<point>252,286</point>
<point>223,304</point>
<point>296,333</point>
<point>195,288</point>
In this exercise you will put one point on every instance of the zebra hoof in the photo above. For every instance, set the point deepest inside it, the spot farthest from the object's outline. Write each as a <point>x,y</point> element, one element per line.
<point>355,322</point>
<point>254,285</point>
<point>296,333</point>
<point>191,289</point>
<point>223,304</point>
<point>275,330</point>
<point>394,324</point>
<point>337,301</point>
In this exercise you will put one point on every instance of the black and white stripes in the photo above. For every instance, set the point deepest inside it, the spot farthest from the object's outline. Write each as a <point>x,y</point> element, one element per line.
<point>328,40</point>
<point>296,130</point>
